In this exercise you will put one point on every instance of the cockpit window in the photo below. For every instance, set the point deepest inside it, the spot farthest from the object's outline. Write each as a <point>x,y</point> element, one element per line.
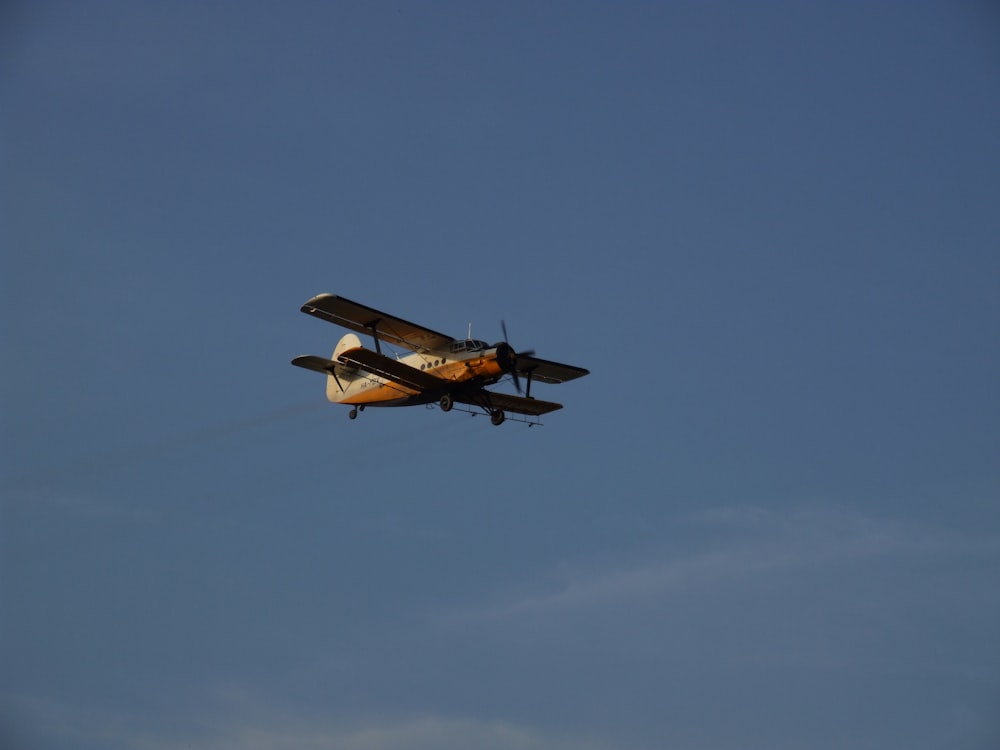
<point>469,345</point>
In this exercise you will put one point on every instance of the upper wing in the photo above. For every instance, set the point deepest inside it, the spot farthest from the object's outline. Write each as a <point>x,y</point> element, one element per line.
<point>545,371</point>
<point>508,402</point>
<point>363,319</point>
<point>391,369</point>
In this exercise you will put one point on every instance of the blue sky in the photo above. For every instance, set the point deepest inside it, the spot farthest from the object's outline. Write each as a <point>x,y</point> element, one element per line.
<point>769,516</point>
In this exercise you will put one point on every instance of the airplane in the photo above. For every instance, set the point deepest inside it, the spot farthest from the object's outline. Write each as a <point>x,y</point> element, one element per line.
<point>440,368</point>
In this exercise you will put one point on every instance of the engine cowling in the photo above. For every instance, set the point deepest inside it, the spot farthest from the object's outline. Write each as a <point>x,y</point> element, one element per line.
<point>506,357</point>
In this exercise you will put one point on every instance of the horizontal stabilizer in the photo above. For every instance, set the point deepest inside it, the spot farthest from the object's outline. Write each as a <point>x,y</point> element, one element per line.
<point>316,364</point>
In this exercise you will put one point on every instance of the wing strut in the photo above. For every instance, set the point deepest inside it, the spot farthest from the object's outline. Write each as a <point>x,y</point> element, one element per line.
<point>341,385</point>
<point>373,325</point>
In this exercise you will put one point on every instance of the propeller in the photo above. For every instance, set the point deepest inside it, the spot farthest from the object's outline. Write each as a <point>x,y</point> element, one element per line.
<point>507,357</point>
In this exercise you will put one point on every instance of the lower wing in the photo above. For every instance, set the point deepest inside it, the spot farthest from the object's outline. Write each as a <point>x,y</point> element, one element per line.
<point>507,402</point>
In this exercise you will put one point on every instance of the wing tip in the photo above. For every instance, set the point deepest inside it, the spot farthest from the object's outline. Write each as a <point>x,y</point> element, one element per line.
<point>310,306</point>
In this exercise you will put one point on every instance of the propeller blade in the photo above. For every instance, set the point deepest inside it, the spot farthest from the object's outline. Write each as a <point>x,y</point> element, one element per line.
<point>513,354</point>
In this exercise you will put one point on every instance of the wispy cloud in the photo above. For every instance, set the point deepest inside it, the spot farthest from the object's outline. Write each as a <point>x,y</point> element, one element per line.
<point>252,724</point>
<point>428,732</point>
<point>732,544</point>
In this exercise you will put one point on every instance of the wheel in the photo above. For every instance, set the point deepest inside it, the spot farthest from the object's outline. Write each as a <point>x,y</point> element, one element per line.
<point>446,402</point>
<point>353,413</point>
<point>497,417</point>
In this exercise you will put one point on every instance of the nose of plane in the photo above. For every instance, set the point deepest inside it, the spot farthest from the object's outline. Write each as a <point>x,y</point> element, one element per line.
<point>506,357</point>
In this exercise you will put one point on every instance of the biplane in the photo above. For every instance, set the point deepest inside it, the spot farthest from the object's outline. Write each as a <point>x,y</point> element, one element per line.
<point>438,368</point>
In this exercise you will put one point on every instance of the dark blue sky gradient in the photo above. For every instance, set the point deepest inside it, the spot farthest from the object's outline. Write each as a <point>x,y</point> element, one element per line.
<point>768,518</point>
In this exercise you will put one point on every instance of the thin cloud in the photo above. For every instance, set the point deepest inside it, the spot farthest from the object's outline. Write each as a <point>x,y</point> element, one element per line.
<point>428,732</point>
<point>253,725</point>
<point>733,544</point>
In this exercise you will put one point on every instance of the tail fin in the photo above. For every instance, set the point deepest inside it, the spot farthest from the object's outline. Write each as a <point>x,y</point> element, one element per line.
<point>339,376</point>
<point>342,374</point>
<point>349,341</point>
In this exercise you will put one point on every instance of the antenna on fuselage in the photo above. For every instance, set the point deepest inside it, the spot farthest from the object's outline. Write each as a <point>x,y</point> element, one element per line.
<point>470,331</point>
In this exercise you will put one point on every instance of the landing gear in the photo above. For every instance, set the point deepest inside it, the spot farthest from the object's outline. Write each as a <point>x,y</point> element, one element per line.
<point>497,417</point>
<point>353,413</point>
<point>446,402</point>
